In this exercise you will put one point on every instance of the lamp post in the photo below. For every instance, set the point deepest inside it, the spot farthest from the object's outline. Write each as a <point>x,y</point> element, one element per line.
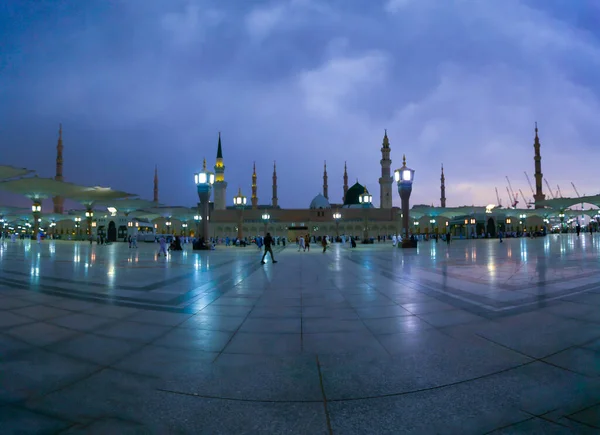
<point>77,224</point>
<point>337,216</point>
<point>240,202</point>
<point>508,226</point>
<point>168,224</point>
<point>265,218</point>
<point>197,219</point>
<point>365,199</point>
<point>404,178</point>
<point>562,221</point>
<point>523,218</point>
<point>204,181</point>
<point>89,215</point>
<point>183,228</point>
<point>432,222</point>
<point>36,209</point>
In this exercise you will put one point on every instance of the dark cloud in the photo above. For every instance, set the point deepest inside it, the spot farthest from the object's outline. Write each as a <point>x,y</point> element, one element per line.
<point>140,83</point>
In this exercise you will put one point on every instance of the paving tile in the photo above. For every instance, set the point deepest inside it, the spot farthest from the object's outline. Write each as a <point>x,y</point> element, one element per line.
<point>450,318</point>
<point>264,344</point>
<point>134,331</point>
<point>9,303</point>
<point>17,420</point>
<point>393,325</point>
<point>198,339</point>
<point>535,426</point>
<point>36,372</point>
<point>40,312</point>
<point>8,319</point>
<point>580,360</point>
<point>342,343</point>
<point>226,310</point>
<point>589,416</point>
<point>81,321</point>
<point>95,349</point>
<point>112,311</point>
<point>382,312</point>
<point>291,326</point>
<point>316,325</point>
<point>41,334</point>
<point>159,317</point>
<point>213,323</point>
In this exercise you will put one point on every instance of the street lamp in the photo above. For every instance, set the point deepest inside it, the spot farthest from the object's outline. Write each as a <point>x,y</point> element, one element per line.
<point>265,218</point>
<point>404,178</point>
<point>337,216</point>
<point>204,181</point>
<point>562,221</point>
<point>36,209</point>
<point>184,228</point>
<point>168,224</point>
<point>89,215</point>
<point>523,216</point>
<point>240,202</point>
<point>365,199</point>
<point>77,224</point>
<point>432,222</point>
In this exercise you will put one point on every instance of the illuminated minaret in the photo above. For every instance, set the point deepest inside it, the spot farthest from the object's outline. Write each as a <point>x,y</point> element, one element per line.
<point>443,188</point>
<point>274,199</point>
<point>386,180</point>
<point>220,186</point>
<point>254,197</point>
<point>57,200</point>
<point>325,185</point>
<point>539,193</point>
<point>345,182</point>
<point>155,199</point>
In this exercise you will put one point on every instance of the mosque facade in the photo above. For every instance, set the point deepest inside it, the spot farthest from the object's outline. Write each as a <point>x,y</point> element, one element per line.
<point>318,218</point>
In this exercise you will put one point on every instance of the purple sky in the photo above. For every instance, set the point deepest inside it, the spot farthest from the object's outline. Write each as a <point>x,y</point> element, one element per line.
<point>143,82</point>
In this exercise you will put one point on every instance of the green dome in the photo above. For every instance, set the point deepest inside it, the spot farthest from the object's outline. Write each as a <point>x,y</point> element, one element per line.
<point>353,193</point>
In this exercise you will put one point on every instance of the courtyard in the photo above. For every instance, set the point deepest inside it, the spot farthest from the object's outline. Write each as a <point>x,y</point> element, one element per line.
<point>470,338</point>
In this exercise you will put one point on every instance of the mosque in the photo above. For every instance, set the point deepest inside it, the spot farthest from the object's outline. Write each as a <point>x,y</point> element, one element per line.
<point>115,214</point>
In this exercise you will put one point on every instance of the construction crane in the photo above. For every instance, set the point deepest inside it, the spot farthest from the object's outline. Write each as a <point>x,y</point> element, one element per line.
<point>574,188</point>
<point>549,189</point>
<point>510,201</point>
<point>523,197</point>
<point>498,197</point>
<point>513,195</point>
<point>559,192</point>
<point>530,185</point>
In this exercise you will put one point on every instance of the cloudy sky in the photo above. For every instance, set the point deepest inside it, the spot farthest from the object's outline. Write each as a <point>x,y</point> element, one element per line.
<point>460,82</point>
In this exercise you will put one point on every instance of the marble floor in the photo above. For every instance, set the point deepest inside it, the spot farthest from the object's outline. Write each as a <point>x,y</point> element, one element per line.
<point>472,338</point>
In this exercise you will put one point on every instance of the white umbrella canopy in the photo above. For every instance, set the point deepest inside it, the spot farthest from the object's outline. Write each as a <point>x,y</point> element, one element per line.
<point>127,205</point>
<point>99,194</point>
<point>7,172</point>
<point>37,189</point>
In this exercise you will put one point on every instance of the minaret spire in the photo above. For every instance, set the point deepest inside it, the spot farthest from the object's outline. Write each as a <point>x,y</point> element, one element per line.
<point>386,180</point>
<point>325,184</point>
<point>254,188</point>
<point>539,176</point>
<point>443,188</point>
<point>155,184</point>
<point>220,186</point>
<point>345,182</point>
<point>274,200</point>
<point>58,201</point>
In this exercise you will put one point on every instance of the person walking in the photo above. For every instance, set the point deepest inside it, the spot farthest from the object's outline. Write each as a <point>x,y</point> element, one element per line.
<point>163,246</point>
<point>324,243</point>
<point>134,241</point>
<point>301,244</point>
<point>268,241</point>
<point>307,243</point>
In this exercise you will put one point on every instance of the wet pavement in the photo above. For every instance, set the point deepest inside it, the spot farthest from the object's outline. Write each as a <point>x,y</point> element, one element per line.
<point>472,338</point>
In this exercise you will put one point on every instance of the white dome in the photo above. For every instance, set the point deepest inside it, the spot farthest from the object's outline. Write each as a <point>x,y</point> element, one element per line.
<point>319,201</point>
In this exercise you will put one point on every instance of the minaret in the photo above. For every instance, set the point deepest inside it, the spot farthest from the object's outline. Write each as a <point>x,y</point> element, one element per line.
<point>539,193</point>
<point>274,199</point>
<point>220,186</point>
<point>443,188</point>
<point>386,180</point>
<point>345,183</point>
<point>325,185</point>
<point>155,199</point>
<point>57,200</point>
<point>254,197</point>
